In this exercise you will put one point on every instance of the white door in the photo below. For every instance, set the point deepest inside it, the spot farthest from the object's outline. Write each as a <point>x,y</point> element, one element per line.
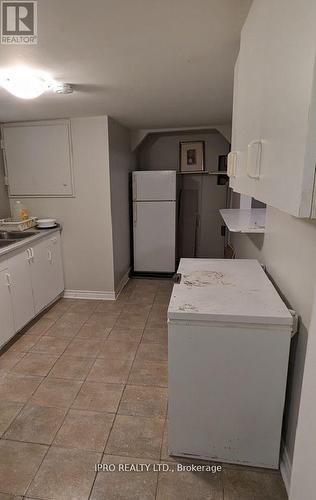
<point>154,236</point>
<point>21,288</point>
<point>38,158</point>
<point>154,186</point>
<point>6,314</point>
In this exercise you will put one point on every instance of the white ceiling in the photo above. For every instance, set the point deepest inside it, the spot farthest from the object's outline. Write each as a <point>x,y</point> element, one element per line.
<point>148,63</point>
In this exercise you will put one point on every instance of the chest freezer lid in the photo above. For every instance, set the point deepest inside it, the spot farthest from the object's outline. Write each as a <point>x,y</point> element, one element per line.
<point>226,290</point>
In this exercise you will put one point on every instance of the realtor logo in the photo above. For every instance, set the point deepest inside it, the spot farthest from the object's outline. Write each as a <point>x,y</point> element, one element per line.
<point>19,22</point>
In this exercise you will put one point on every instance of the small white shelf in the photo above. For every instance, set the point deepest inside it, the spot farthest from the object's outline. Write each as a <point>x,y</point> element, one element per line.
<point>244,220</point>
<point>204,172</point>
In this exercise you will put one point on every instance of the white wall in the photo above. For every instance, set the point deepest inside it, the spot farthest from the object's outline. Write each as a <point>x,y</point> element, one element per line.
<point>4,199</point>
<point>122,162</point>
<point>303,481</point>
<point>86,218</point>
<point>288,250</point>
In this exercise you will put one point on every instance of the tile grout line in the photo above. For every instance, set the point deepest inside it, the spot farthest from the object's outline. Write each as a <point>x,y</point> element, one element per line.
<point>28,400</point>
<point>161,447</point>
<point>115,413</point>
<point>112,425</point>
<point>129,374</point>
<point>82,383</point>
<point>123,391</point>
<point>50,446</point>
<point>160,454</point>
<point>58,356</point>
<point>156,488</point>
<point>23,334</point>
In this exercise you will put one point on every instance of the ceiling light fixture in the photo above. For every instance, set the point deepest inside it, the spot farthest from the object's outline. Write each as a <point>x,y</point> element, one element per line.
<point>28,84</point>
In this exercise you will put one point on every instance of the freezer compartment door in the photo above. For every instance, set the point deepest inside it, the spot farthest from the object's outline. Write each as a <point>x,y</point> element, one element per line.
<point>154,236</point>
<point>154,186</point>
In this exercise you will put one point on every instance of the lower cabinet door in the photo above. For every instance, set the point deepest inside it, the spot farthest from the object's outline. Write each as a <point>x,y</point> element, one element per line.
<point>46,271</point>
<point>40,275</point>
<point>21,288</point>
<point>6,313</point>
<point>56,280</point>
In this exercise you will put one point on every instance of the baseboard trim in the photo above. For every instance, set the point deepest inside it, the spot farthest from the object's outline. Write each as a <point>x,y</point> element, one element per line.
<point>285,467</point>
<point>122,283</point>
<point>98,295</point>
<point>89,294</point>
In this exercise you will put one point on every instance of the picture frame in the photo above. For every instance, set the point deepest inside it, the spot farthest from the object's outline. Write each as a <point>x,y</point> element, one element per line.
<point>192,156</point>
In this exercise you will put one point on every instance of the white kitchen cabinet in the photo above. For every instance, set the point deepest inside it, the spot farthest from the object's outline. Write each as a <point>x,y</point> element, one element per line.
<point>55,268</point>
<point>30,279</point>
<point>274,113</point>
<point>38,158</point>
<point>39,274</point>
<point>21,288</point>
<point>46,271</point>
<point>6,313</point>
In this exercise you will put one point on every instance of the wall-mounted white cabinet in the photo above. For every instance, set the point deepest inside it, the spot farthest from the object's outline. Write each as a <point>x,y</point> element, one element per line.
<point>38,158</point>
<point>274,113</point>
<point>30,279</point>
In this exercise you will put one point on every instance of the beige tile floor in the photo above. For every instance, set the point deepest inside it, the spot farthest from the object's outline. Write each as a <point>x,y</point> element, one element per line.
<point>87,384</point>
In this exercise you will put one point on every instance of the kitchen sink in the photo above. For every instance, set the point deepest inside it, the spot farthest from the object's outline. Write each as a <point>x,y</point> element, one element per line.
<point>15,235</point>
<point>5,243</point>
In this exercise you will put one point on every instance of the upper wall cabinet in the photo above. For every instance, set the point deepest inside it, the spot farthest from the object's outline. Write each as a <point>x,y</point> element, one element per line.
<point>274,114</point>
<point>38,158</point>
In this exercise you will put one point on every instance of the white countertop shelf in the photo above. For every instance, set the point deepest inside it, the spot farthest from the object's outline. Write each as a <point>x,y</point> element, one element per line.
<point>244,220</point>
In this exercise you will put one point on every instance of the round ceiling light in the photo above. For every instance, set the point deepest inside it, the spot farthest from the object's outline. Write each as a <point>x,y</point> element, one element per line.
<point>26,83</point>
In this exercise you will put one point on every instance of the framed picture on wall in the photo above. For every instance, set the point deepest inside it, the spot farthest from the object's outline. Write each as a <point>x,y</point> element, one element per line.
<point>192,156</point>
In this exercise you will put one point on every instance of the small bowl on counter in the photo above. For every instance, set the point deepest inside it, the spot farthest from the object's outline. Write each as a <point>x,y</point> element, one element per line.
<point>46,223</point>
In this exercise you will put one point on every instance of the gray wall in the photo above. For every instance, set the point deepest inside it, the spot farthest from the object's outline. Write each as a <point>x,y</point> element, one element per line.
<point>288,250</point>
<point>122,162</point>
<point>161,152</point>
<point>4,199</point>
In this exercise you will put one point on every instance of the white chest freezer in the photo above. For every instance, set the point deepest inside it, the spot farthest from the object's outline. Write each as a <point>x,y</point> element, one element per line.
<point>229,339</point>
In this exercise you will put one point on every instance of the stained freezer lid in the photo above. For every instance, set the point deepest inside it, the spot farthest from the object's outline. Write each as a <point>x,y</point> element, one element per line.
<point>226,290</point>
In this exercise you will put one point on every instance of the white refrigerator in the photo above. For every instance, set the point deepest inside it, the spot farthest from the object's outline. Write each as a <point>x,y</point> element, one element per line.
<point>154,221</point>
<point>229,337</point>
